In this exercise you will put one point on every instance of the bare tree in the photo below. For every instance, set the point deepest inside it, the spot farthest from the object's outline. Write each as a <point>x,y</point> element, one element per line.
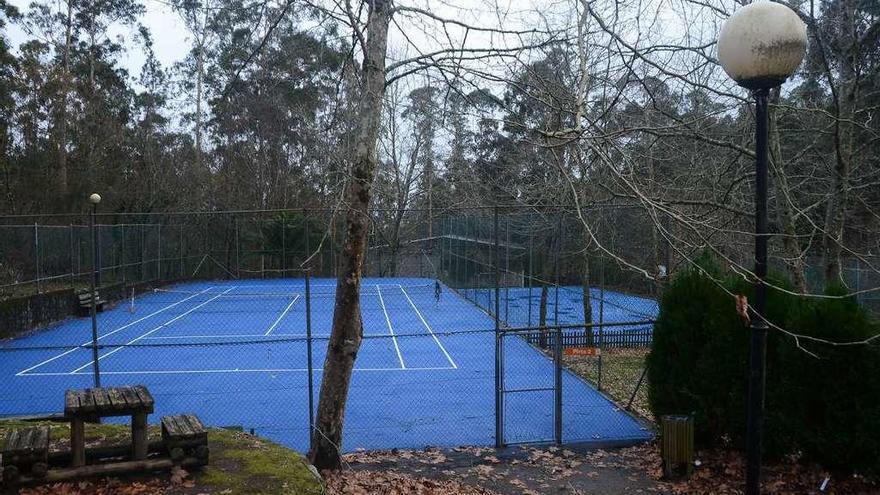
<point>347,330</point>
<point>372,37</point>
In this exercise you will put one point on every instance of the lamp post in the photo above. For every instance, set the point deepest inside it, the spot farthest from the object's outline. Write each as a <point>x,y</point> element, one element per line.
<point>94,199</point>
<point>759,47</point>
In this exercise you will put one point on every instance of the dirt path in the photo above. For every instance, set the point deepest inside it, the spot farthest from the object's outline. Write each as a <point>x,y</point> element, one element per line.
<point>525,470</point>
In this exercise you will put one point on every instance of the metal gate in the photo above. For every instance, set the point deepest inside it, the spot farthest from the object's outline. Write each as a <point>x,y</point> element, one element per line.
<point>528,388</point>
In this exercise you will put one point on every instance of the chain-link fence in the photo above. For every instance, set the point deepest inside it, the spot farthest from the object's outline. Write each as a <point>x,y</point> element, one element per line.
<point>476,322</point>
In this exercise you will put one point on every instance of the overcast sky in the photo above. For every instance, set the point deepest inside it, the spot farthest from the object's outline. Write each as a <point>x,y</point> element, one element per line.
<point>169,35</point>
<point>171,39</point>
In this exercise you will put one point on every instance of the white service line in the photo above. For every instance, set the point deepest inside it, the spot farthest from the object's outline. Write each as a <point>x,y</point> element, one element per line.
<point>275,324</point>
<point>160,327</point>
<point>88,342</point>
<point>390,328</point>
<point>231,370</point>
<point>278,336</point>
<point>419,314</point>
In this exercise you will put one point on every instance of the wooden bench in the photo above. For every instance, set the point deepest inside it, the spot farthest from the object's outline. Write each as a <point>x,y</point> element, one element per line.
<point>90,404</point>
<point>184,435</point>
<point>25,449</point>
<point>85,300</point>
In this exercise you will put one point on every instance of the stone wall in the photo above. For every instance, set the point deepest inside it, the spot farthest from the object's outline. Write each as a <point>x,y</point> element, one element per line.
<point>21,315</point>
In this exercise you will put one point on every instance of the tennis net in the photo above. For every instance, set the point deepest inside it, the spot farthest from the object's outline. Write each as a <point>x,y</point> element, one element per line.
<point>278,299</point>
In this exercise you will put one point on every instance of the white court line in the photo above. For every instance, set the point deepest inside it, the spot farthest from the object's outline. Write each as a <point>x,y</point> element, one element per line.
<point>278,336</point>
<point>160,327</point>
<point>419,314</point>
<point>231,370</point>
<point>390,328</point>
<point>232,335</point>
<point>281,316</point>
<point>88,342</point>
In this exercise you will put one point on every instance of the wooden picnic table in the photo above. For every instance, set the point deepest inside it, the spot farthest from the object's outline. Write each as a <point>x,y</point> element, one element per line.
<point>91,404</point>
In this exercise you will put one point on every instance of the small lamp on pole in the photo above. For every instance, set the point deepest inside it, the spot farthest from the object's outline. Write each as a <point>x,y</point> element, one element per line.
<point>760,46</point>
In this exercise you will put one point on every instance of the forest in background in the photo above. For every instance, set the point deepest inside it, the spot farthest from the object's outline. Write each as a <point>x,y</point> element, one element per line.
<point>599,104</point>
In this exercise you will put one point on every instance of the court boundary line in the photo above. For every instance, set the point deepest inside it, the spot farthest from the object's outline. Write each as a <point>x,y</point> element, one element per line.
<point>236,336</point>
<point>390,328</point>
<point>87,343</point>
<point>430,330</point>
<point>281,337</point>
<point>281,316</point>
<point>229,370</point>
<point>163,325</point>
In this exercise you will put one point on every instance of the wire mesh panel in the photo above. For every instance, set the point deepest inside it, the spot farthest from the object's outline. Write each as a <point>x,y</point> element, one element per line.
<point>20,263</point>
<point>208,304</point>
<point>528,392</point>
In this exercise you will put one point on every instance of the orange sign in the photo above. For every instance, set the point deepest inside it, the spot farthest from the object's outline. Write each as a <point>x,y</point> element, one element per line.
<point>581,351</point>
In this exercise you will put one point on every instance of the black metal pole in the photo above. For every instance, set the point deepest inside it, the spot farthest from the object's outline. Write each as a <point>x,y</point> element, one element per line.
<point>237,248</point>
<point>499,383</point>
<point>94,296</point>
<point>97,248</point>
<point>556,269</point>
<point>283,245</point>
<point>309,353</point>
<point>758,344</point>
<point>531,269</point>
<point>507,269</point>
<point>122,257</point>
<point>601,323</point>
<point>37,256</point>
<point>70,256</point>
<point>557,379</point>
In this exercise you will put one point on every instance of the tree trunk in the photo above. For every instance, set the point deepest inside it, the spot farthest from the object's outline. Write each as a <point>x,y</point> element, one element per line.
<point>587,302</point>
<point>835,213</point>
<point>430,178</point>
<point>793,255</point>
<point>347,331</point>
<point>200,75</point>
<point>61,138</point>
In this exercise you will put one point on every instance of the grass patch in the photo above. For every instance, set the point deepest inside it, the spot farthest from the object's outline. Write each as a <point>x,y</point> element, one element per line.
<point>244,464</point>
<point>621,369</point>
<point>239,463</point>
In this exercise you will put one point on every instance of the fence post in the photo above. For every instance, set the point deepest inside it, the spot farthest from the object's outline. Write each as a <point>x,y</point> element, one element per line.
<point>262,249</point>
<point>70,255</point>
<point>439,273</point>
<point>182,251</point>
<point>308,234</point>
<point>124,266</point>
<point>143,253</point>
<point>37,256</point>
<point>159,260</point>
<point>507,269</point>
<point>237,248</point>
<point>557,402</point>
<point>601,322</point>
<point>309,353</point>
<point>499,365</point>
<point>205,249</point>
<point>283,245</point>
<point>531,239</point>
<point>632,397</point>
<point>556,269</point>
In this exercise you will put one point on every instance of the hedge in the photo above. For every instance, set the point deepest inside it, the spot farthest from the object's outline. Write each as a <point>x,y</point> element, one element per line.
<point>822,402</point>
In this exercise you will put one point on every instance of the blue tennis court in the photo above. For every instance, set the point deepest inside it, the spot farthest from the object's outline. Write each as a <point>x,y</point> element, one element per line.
<point>520,307</point>
<point>235,353</point>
